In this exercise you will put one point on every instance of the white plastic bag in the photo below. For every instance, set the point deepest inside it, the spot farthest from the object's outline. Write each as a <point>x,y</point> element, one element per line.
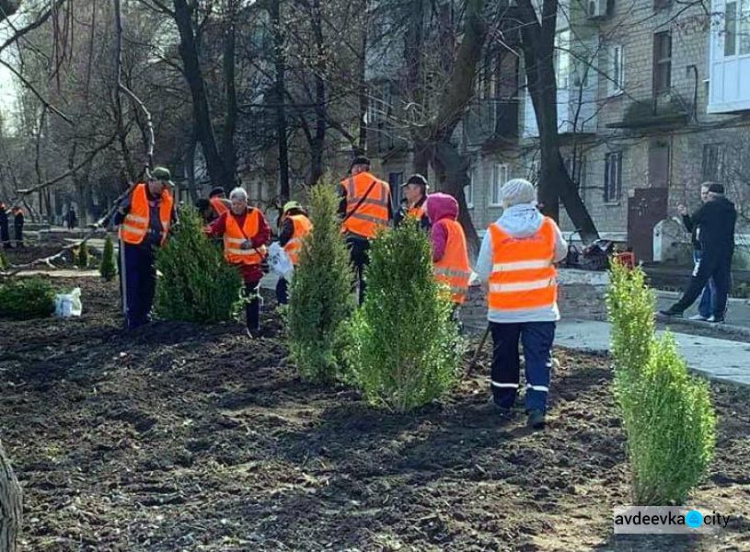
<point>68,304</point>
<point>279,262</point>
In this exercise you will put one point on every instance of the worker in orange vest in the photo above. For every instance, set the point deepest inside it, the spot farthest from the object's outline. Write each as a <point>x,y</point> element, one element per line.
<point>366,208</point>
<point>144,217</point>
<point>450,254</point>
<point>246,234</point>
<point>218,200</point>
<point>415,195</point>
<point>517,260</point>
<point>212,208</point>
<point>295,225</point>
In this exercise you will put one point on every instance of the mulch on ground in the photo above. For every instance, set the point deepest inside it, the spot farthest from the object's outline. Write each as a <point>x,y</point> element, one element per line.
<point>179,437</point>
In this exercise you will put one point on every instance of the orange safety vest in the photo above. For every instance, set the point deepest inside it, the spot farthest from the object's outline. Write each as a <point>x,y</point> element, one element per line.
<point>372,213</point>
<point>523,274</point>
<point>454,269</point>
<point>234,237</point>
<point>219,205</point>
<point>134,228</point>
<point>417,212</point>
<point>302,227</point>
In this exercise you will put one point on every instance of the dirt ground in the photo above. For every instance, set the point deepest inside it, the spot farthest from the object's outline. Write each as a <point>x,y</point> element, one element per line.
<point>179,437</point>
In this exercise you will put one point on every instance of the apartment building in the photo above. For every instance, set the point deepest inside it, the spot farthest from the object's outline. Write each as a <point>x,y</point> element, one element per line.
<point>653,99</point>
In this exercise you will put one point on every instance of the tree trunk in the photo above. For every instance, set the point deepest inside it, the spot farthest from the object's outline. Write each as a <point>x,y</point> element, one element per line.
<point>364,100</point>
<point>453,173</point>
<point>204,130</point>
<point>421,161</point>
<point>122,132</point>
<point>189,164</point>
<point>451,167</point>
<point>538,44</point>
<point>10,506</point>
<point>413,47</point>
<point>321,110</point>
<point>228,151</point>
<point>281,124</point>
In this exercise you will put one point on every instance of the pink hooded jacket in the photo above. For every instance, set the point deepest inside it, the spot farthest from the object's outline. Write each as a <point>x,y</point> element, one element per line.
<point>440,207</point>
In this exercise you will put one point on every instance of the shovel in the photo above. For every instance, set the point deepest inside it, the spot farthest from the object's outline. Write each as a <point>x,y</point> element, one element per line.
<point>476,353</point>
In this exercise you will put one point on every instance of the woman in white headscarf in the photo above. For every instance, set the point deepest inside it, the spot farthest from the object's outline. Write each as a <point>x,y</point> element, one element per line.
<point>516,261</point>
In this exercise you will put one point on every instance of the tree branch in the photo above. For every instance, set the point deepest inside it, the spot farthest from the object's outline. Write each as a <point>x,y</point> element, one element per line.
<point>93,153</point>
<point>36,93</point>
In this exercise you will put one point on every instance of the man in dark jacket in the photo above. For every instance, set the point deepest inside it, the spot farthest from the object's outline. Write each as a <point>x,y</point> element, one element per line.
<point>715,220</point>
<point>709,292</point>
<point>4,230</point>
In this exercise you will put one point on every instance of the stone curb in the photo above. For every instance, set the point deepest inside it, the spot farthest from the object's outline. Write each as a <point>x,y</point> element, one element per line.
<point>729,329</point>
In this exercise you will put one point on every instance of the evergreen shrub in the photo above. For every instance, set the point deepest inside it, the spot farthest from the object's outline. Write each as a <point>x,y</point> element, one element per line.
<point>667,413</point>
<point>196,284</point>
<point>320,294</point>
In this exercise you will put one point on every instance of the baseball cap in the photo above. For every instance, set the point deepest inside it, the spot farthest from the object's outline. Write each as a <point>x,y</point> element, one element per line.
<point>417,179</point>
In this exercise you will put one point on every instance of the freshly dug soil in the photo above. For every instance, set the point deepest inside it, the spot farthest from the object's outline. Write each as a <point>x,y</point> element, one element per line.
<point>51,246</point>
<point>179,437</point>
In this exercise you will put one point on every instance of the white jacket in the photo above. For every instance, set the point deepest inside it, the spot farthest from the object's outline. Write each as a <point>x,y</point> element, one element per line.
<point>520,221</point>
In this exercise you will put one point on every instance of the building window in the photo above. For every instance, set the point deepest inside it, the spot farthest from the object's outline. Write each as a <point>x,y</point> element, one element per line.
<point>616,71</point>
<point>662,62</point>
<point>562,59</point>
<point>737,28</point>
<point>613,177</point>
<point>730,29</point>
<point>499,178</point>
<point>469,190</point>
<point>713,161</point>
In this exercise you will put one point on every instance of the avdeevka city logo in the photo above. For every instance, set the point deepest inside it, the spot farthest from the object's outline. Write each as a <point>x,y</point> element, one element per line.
<point>694,519</point>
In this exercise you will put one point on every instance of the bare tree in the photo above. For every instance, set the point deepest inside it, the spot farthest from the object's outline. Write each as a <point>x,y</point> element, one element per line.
<point>538,46</point>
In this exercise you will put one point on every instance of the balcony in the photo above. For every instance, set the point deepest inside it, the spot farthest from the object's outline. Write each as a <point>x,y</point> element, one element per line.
<point>729,67</point>
<point>662,112</point>
<point>491,121</point>
<point>383,139</point>
<point>576,112</point>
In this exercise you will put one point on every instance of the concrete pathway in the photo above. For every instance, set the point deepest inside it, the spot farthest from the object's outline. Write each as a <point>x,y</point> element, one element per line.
<point>717,359</point>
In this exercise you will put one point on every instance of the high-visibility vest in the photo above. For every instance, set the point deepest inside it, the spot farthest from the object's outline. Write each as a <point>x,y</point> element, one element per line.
<point>234,237</point>
<point>372,213</point>
<point>219,205</point>
<point>134,228</point>
<point>417,212</point>
<point>302,227</point>
<point>523,274</point>
<point>453,268</point>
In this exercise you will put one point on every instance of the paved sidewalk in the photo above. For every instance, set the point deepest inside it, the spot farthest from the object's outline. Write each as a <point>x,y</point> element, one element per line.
<point>717,359</point>
<point>738,310</point>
